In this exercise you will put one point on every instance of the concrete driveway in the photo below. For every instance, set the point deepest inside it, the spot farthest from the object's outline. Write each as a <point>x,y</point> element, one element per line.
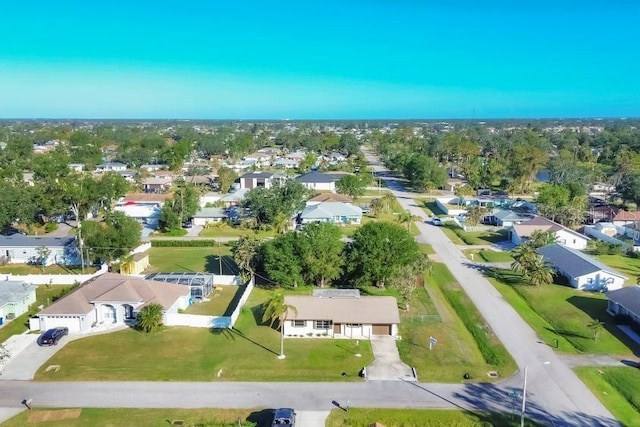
<point>194,231</point>
<point>387,365</point>
<point>26,361</point>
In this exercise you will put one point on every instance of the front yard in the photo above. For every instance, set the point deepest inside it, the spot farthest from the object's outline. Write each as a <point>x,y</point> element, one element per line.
<point>562,313</point>
<point>246,353</point>
<point>22,269</point>
<point>625,265</point>
<point>462,237</point>
<point>226,230</point>
<point>198,259</point>
<point>488,255</point>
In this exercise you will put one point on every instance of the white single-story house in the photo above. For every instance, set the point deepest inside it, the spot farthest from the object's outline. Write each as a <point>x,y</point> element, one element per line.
<point>450,206</point>
<point>259,179</point>
<point>19,249</point>
<point>565,236</point>
<point>209,215</point>
<point>146,213</point>
<point>209,198</point>
<point>341,317</point>
<point>329,197</point>
<point>111,167</point>
<point>111,299</point>
<point>625,302</point>
<point>581,271</point>
<point>334,212</point>
<point>154,185</point>
<point>506,217</point>
<point>320,181</point>
<point>15,299</point>
<point>286,163</point>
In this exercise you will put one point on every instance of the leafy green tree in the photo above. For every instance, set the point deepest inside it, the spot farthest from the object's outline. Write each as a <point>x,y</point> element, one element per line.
<point>282,260</point>
<point>113,238</point>
<point>182,206</point>
<point>405,218</point>
<point>226,178</point>
<point>539,238</point>
<point>475,214</point>
<point>322,253</point>
<point>266,203</point>
<point>275,310</point>
<point>351,185</point>
<point>523,256</point>
<point>307,163</point>
<point>424,172</point>
<point>245,252</point>
<point>43,254</point>
<point>80,192</point>
<point>111,187</point>
<point>408,279</point>
<point>629,187</point>
<point>150,317</point>
<point>377,252</point>
<point>539,273</point>
<point>462,191</point>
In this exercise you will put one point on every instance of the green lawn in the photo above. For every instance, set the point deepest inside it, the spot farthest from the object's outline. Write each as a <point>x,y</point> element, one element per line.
<point>107,417</point>
<point>488,255</point>
<point>199,259</point>
<point>427,249</point>
<point>246,353</point>
<point>618,388</point>
<point>430,207</point>
<point>457,351</point>
<point>627,266</point>
<point>219,301</point>
<point>473,237</point>
<point>360,417</point>
<point>21,269</point>
<point>225,230</point>
<point>563,313</point>
<point>45,295</point>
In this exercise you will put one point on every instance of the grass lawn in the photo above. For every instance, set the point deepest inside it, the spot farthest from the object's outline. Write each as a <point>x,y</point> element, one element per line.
<point>430,207</point>
<point>361,417</point>
<point>427,249</point>
<point>563,313</point>
<point>375,193</point>
<point>44,296</point>
<point>199,259</point>
<point>618,388</point>
<point>457,351</point>
<point>488,255</point>
<point>627,266</point>
<point>219,301</point>
<point>474,237</point>
<point>246,353</point>
<point>51,269</point>
<point>225,230</point>
<point>137,417</point>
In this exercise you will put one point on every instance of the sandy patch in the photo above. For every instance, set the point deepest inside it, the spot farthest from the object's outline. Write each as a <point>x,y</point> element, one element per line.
<point>61,414</point>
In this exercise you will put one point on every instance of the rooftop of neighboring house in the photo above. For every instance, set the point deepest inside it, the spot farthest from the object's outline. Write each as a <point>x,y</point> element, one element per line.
<point>370,309</point>
<point>146,197</point>
<point>623,215</point>
<point>330,210</point>
<point>540,223</point>
<point>12,291</point>
<point>257,175</point>
<point>572,261</point>
<point>330,197</point>
<point>628,297</point>
<point>210,213</point>
<point>20,241</point>
<point>319,177</point>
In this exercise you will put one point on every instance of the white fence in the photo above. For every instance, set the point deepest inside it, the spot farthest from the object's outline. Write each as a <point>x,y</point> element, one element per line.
<point>142,248</point>
<point>226,279</point>
<point>211,322</point>
<point>53,279</point>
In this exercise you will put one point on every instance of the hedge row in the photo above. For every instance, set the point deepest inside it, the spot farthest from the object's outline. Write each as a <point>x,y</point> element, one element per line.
<point>184,243</point>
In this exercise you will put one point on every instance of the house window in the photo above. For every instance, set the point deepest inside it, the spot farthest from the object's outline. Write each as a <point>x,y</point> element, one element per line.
<point>354,325</point>
<point>299,323</point>
<point>323,324</point>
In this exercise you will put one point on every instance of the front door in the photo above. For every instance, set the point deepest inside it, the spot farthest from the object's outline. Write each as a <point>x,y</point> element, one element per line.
<point>336,328</point>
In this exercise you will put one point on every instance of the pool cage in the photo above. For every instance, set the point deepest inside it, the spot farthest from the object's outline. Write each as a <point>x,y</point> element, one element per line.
<point>200,284</point>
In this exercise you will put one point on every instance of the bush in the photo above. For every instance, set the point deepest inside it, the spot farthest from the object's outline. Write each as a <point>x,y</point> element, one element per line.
<point>175,232</point>
<point>50,226</point>
<point>183,243</point>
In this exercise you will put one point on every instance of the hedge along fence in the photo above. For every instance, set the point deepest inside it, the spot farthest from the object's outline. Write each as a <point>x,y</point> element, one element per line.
<point>183,243</point>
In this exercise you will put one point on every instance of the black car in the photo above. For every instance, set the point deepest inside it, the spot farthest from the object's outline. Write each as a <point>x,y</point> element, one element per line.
<point>52,336</point>
<point>284,417</point>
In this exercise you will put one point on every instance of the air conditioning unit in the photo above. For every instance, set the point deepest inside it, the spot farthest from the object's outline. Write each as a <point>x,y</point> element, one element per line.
<point>11,316</point>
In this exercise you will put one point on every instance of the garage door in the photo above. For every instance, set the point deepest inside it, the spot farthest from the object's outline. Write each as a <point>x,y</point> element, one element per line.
<point>381,329</point>
<point>73,323</point>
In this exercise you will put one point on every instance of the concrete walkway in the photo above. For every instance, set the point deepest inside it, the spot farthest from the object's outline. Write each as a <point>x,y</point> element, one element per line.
<point>387,365</point>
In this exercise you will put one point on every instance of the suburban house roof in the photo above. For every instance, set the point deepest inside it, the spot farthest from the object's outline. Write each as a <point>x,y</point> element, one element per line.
<point>200,179</point>
<point>572,261</point>
<point>623,215</point>
<point>20,241</point>
<point>330,210</point>
<point>251,175</point>
<point>319,177</point>
<point>344,310</point>
<point>331,197</point>
<point>336,293</point>
<point>157,181</point>
<point>111,287</point>
<point>628,297</point>
<point>12,291</point>
<point>509,215</point>
<point>147,197</point>
<point>210,213</point>
<point>543,224</point>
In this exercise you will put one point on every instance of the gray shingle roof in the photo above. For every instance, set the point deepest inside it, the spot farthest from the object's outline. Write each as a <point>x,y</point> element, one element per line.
<point>13,291</point>
<point>573,262</point>
<point>330,210</point>
<point>628,297</point>
<point>20,241</point>
<point>319,177</point>
<point>264,175</point>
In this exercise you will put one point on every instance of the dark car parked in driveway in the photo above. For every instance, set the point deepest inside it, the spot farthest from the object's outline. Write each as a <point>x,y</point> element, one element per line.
<point>52,336</point>
<point>284,417</point>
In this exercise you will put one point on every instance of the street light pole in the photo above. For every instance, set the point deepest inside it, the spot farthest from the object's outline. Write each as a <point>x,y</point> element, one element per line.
<point>524,397</point>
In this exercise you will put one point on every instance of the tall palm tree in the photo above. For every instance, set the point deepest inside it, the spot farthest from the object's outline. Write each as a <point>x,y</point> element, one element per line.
<point>150,317</point>
<point>539,272</point>
<point>461,191</point>
<point>475,214</point>
<point>281,223</point>
<point>540,238</point>
<point>276,310</point>
<point>126,264</point>
<point>523,256</point>
<point>406,218</point>
<point>244,252</point>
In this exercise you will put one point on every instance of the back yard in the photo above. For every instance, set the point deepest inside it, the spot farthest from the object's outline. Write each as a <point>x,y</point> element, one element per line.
<point>198,259</point>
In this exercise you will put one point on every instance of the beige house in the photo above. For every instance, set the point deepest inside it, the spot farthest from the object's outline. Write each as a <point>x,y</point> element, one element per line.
<point>341,316</point>
<point>564,236</point>
<point>111,299</point>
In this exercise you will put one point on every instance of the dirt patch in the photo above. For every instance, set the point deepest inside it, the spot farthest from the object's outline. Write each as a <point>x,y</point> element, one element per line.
<point>435,257</point>
<point>61,414</point>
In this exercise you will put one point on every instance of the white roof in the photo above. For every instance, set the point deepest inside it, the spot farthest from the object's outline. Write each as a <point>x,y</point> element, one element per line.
<point>330,210</point>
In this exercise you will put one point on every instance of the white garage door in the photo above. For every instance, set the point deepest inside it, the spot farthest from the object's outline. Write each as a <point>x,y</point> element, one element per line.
<point>73,323</point>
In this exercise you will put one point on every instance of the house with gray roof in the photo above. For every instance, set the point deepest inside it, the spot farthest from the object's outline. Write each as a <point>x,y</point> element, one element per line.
<point>206,216</point>
<point>582,271</point>
<point>333,212</point>
<point>506,217</point>
<point>260,179</point>
<point>625,302</point>
<point>320,181</point>
<point>19,249</point>
<point>15,299</point>
<point>341,316</point>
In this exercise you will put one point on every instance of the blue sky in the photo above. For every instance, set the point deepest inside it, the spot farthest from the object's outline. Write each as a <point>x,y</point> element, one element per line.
<point>320,60</point>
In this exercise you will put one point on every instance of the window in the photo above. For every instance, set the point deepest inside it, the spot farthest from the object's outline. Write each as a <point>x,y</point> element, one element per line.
<point>354,325</point>
<point>299,323</point>
<point>323,324</point>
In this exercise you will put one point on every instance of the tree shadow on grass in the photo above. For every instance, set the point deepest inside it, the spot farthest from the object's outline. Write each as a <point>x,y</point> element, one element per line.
<point>213,263</point>
<point>567,334</point>
<point>231,334</point>
<point>235,300</point>
<point>262,418</point>
<point>504,275</point>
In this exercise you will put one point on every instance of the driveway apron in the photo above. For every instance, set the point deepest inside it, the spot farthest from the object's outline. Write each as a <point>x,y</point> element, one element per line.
<point>387,365</point>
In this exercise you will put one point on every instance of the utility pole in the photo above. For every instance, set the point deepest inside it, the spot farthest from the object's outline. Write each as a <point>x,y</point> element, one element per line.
<point>220,257</point>
<point>524,397</point>
<point>80,243</point>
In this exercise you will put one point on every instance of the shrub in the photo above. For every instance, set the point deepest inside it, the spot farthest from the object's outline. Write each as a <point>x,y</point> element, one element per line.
<point>50,226</point>
<point>183,243</point>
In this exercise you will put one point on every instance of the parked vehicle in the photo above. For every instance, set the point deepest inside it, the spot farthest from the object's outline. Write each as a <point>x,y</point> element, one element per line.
<point>436,221</point>
<point>284,417</point>
<point>52,336</point>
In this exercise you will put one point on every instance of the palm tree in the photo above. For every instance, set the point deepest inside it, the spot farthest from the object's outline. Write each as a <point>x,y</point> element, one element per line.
<point>539,272</point>
<point>540,238</point>
<point>523,257</point>
<point>596,326</point>
<point>462,190</point>
<point>475,214</point>
<point>126,264</point>
<point>150,317</point>
<point>276,310</point>
<point>406,218</point>
<point>281,223</point>
<point>244,252</point>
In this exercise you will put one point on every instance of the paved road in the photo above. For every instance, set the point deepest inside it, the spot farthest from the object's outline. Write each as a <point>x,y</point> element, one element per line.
<point>554,390</point>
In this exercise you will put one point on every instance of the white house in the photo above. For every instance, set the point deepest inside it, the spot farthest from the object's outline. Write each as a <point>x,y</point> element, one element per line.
<point>564,236</point>
<point>340,316</point>
<point>146,213</point>
<point>209,198</point>
<point>259,179</point>
<point>320,181</point>
<point>15,299</point>
<point>582,271</point>
<point>111,167</point>
<point>333,212</point>
<point>208,215</point>
<point>112,299</point>
<point>625,302</point>
<point>19,249</point>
